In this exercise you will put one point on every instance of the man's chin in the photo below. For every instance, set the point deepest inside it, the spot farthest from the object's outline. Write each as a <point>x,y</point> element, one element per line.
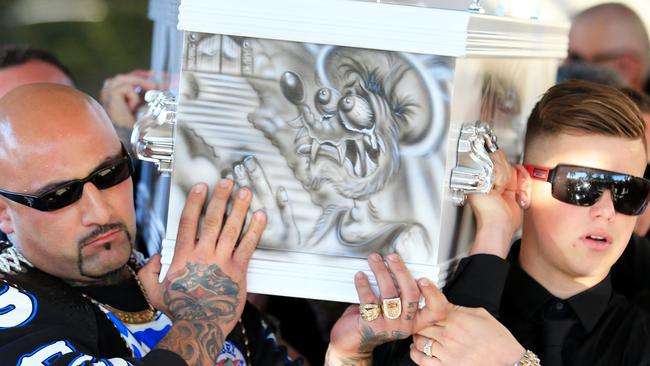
<point>106,262</point>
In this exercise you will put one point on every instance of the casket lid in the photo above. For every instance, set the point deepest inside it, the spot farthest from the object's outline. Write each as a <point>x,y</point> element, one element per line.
<point>385,26</point>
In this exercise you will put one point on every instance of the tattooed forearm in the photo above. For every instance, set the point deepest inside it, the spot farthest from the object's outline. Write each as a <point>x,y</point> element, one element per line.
<point>332,360</point>
<point>203,301</point>
<point>197,342</point>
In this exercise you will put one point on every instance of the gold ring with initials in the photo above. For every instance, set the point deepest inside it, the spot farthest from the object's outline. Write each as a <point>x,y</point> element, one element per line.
<point>392,308</point>
<point>369,312</point>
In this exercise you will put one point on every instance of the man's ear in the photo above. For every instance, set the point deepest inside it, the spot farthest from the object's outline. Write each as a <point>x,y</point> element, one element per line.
<point>6,223</point>
<point>524,185</point>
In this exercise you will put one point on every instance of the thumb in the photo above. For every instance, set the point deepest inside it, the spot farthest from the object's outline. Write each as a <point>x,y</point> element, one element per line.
<point>436,305</point>
<point>148,276</point>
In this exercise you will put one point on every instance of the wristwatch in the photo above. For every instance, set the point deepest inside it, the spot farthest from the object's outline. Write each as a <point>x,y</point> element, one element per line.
<point>528,359</point>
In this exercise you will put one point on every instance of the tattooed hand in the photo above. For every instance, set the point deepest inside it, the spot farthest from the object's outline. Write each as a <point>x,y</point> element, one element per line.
<point>353,339</point>
<point>205,289</point>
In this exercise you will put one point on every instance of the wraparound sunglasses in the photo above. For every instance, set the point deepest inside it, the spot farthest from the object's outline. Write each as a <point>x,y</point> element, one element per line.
<point>105,176</point>
<point>583,186</point>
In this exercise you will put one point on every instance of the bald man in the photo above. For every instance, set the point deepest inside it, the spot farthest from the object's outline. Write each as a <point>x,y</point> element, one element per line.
<point>612,35</point>
<point>69,294</point>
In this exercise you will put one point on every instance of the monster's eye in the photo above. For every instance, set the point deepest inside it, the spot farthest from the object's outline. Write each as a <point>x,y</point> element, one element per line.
<point>347,103</point>
<point>325,100</point>
<point>324,96</point>
<point>356,112</point>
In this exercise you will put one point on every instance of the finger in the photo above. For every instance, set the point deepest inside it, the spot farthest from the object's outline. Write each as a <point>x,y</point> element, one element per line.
<point>260,184</point>
<point>436,332</point>
<point>420,341</point>
<point>391,302</point>
<point>249,241</point>
<point>148,274</point>
<point>132,98</point>
<point>385,282</point>
<point>141,73</point>
<point>243,180</point>
<point>436,307</point>
<point>436,350</point>
<point>213,219</point>
<point>128,79</point>
<point>421,359</point>
<point>364,290</point>
<point>231,230</point>
<point>409,292</point>
<point>188,224</point>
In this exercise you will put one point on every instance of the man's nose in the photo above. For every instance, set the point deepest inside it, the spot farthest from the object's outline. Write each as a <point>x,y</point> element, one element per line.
<point>96,210</point>
<point>604,207</point>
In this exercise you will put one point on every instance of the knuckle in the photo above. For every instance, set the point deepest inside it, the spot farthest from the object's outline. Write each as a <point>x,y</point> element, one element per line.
<point>185,223</point>
<point>230,232</point>
<point>211,222</point>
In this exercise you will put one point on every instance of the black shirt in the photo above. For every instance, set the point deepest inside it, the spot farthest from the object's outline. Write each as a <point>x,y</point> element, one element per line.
<point>607,330</point>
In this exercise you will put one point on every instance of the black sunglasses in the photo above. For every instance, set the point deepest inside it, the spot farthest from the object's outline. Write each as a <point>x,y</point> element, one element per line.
<point>106,176</point>
<point>584,186</point>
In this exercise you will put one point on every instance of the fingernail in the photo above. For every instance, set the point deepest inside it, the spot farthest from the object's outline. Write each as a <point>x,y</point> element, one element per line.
<point>258,215</point>
<point>393,257</point>
<point>243,193</point>
<point>375,257</point>
<point>424,282</point>
<point>199,188</point>
<point>239,171</point>
<point>360,275</point>
<point>249,163</point>
<point>225,183</point>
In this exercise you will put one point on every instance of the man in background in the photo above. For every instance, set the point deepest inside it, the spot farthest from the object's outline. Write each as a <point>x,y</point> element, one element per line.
<point>612,35</point>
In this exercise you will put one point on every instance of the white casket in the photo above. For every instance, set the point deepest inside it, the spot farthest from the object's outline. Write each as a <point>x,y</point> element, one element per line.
<point>344,117</point>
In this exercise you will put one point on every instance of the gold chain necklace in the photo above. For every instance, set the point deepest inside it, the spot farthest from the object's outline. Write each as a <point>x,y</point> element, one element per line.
<point>131,317</point>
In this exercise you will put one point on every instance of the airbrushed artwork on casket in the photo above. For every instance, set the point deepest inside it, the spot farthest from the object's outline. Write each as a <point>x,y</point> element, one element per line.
<point>343,147</point>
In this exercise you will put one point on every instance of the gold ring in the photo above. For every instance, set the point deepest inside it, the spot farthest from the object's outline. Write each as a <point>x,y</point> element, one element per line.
<point>369,312</point>
<point>456,307</point>
<point>392,308</point>
<point>427,347</point>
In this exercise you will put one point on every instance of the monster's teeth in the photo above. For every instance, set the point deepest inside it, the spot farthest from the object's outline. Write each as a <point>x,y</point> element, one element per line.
<point>303,149</point>
<point>360,165</point>
<point>382,147</point>
<point>358,170</point>
<point>314,150</point>
<point>341,148</point>
<point>371,165</point>
<point>371,141</point>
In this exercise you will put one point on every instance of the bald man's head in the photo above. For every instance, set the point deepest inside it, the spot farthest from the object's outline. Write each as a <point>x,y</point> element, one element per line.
<point>37,120</point>
<point>65,183</point>
<point>612,35</point>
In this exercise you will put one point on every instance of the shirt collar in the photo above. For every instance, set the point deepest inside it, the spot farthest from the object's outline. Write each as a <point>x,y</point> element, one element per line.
<point>530,296</point>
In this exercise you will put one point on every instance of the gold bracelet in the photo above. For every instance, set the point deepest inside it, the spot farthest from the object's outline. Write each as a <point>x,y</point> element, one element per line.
<point>528,359</point>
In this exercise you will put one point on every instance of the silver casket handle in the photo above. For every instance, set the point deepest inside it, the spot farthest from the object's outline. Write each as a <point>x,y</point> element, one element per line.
<point>152,138</point>
<point>474,168</point>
